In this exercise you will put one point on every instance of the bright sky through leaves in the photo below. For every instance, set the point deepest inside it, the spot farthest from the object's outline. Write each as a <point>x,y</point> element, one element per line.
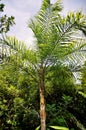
<point>23,10</point>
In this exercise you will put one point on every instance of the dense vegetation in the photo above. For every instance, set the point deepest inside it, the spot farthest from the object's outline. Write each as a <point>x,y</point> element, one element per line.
<point>39,85</point>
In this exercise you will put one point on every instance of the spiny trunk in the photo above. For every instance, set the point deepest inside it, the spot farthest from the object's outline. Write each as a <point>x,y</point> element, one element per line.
<point>42,100</point>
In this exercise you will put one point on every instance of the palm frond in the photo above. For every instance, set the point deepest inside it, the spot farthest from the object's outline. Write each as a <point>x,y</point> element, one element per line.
<point>77,123</point>
<point>45,5</point>
<point>58,36</point>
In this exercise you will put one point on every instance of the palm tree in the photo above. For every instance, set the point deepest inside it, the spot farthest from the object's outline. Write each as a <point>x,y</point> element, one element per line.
<point>57,37</point>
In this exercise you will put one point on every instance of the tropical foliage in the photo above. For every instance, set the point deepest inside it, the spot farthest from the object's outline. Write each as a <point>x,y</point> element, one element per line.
<point>37,88</point>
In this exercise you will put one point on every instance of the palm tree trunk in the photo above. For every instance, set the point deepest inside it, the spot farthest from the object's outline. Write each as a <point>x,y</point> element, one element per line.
<point>42,100</point>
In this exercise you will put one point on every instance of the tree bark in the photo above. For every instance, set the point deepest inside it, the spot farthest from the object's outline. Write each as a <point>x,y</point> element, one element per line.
<point>42,99</point>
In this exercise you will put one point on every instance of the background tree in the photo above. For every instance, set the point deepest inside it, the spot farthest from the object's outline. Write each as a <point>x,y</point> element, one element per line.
<point>5,22</point>
<point>17,98</point>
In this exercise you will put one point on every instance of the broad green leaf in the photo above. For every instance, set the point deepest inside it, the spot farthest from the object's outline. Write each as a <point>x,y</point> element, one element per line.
<point>37,128</point>
<point>83,94</point>
<point>59,128</point>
